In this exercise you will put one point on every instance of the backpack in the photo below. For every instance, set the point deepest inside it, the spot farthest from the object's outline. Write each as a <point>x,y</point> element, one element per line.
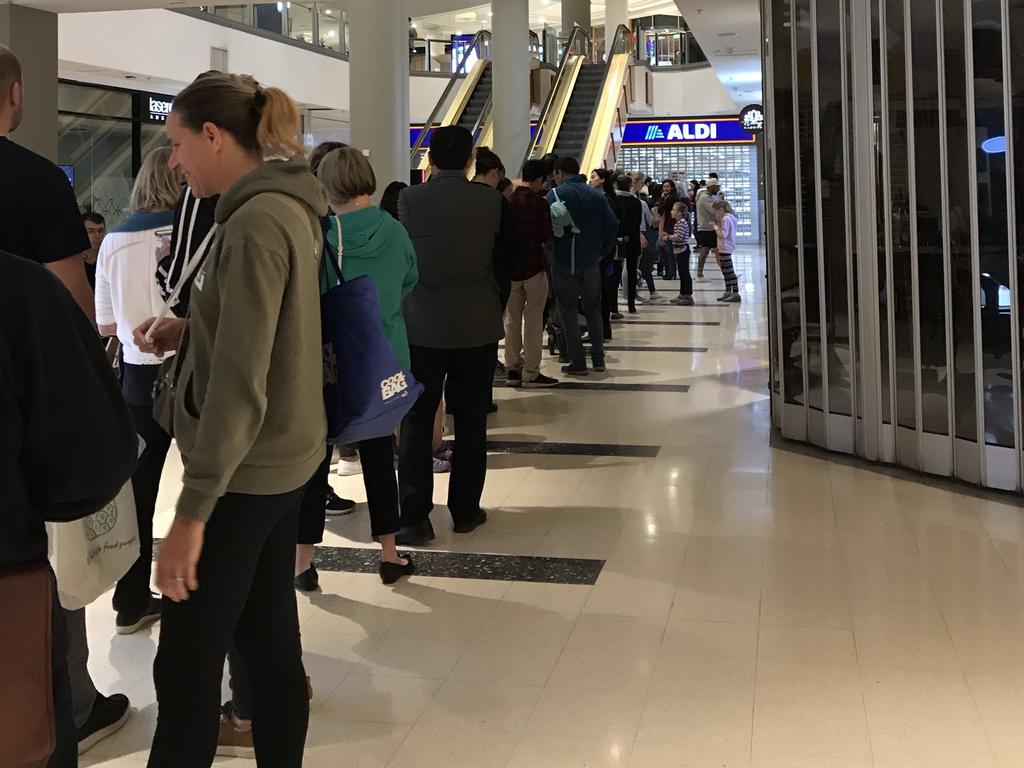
<point>561,220</point>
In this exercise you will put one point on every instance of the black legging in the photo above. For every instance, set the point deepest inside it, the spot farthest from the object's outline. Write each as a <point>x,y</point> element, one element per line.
<point>246,595</point>
<point>313,512</point>
<point>378,460</point>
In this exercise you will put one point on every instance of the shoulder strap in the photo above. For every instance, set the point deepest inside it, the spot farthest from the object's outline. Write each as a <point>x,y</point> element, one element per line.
<point>186,275</point>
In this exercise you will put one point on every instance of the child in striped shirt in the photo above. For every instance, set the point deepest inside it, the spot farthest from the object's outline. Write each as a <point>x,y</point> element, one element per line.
<point>681,248</point>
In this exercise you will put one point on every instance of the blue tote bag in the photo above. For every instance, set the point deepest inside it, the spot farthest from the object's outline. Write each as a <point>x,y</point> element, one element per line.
<point>367,392</point>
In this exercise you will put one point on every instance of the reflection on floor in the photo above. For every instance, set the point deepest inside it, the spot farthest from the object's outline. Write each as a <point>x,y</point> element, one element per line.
<point>757,607</point>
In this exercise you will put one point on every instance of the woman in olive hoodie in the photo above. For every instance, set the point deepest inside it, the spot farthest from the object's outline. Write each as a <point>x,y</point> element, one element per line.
<point>249,421</point>
<point>377,245</point>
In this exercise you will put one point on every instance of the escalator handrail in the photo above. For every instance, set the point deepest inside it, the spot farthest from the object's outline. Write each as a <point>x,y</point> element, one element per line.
<point>478,39</point>
<point>577,32</point>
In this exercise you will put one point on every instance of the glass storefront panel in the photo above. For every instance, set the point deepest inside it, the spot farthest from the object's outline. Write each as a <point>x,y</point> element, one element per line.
<point>901,293</point>
<point>791,342</point>
<point>99,151</point>
<point>238,13</point>
<point>300,21</point>
<point>930,215</point>
<point>269,17</point>
<point>958,220</point>
<point>1016,23</point>
<point>330,20</point>
<point>805,66</point>
<point>993,235</point>
<point>879,62</point>
<point>833,205</point>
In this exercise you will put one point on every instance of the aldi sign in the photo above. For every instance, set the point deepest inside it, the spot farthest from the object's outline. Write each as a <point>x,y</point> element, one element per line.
<point>708,130</point>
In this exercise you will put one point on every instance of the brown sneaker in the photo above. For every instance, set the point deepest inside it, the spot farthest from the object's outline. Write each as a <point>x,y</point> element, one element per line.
<point>231,741</point>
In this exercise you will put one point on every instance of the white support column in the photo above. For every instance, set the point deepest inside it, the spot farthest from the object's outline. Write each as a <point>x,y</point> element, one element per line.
<point>379,86</point>
<point>575,12</point>
<point>32,35</point>
<point>511,81</point>
<point>616,12</point>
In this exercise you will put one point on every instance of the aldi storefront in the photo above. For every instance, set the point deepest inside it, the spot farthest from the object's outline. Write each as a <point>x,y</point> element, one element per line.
<point>692,148</point>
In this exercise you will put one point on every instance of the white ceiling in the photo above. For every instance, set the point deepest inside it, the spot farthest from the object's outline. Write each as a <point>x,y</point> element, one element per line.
<point>729,32</point>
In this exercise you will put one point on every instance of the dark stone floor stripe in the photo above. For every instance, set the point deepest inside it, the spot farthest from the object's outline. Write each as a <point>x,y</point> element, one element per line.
<point>630,348</point>
<point>573,449</point>
<point>468,565</point>
<point>669,322</point>
<point>642,348</point>
<point>610,386</point>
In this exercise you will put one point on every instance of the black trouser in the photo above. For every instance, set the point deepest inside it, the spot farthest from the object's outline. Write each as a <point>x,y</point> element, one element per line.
<point>65,752</point>
<point>647,267</point>
<point>469,373</point>
<point>632,266</point>
<point>609,293</point>
<point>245,594</point>
<point>313,511</point>
<point>378,459</point>
<point>685,279</point>
<point>132,594</point>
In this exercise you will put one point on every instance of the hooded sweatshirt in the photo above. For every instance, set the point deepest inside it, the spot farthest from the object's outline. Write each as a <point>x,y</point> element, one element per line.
<point>376,245</point>
<point>249,410</point>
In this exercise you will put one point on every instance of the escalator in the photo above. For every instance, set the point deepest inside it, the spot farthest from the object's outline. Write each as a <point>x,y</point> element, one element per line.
<point>466,101</point>
<point>575,127</point>
<point>586,111</point>
<point>478,101</point>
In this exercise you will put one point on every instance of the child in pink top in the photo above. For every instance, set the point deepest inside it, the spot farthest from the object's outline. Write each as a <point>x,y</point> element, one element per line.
<point>725,226</point>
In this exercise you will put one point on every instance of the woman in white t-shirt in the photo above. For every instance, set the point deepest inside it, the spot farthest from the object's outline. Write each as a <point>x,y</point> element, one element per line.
<point>126,295</point>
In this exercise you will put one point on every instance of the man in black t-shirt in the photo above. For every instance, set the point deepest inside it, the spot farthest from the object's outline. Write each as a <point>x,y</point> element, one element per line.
<point>39,216</point>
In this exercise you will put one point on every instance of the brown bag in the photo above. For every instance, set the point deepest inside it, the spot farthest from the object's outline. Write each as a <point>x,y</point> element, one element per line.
<point>27,731</point>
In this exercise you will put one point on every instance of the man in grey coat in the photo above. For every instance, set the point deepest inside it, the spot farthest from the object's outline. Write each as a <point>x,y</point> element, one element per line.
<point>465,243</point>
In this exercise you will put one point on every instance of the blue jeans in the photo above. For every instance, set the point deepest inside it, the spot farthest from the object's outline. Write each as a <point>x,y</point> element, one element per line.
<point>585,285</point>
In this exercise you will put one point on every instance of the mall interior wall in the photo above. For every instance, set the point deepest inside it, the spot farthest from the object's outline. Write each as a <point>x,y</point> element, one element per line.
<point>896,233</point>
<point>32,35</point>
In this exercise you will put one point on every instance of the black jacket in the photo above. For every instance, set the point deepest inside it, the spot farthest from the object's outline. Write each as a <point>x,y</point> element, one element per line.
<point>67,443</point>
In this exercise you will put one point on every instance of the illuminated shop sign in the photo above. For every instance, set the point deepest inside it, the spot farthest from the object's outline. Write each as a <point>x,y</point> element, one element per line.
<point>708,130</point>
<point>752,118</point>
<point>154,107</point>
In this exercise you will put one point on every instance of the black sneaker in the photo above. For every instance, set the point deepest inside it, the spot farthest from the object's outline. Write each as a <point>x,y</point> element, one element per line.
<point>126,624</point>
<point>540,381</point>
<point>514,379</point>
<point>109,714</point>
<point>473,524</point>
<point>337,505</point>
<point>416,535</point>
<point>500,372</point>
<point>575,369</point>
<point>598,365</point>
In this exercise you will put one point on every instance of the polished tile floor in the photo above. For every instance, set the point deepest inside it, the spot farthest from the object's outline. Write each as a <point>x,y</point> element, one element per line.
<point>758,607</point>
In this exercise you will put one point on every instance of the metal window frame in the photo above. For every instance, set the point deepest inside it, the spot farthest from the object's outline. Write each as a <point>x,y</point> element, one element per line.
<point>947,252</point>
<point>819,250</point>
<point>972,168</point>
<point>802,432</point>
<point>1011,215</point>
<point>889,445</point>
<point>848,218</point>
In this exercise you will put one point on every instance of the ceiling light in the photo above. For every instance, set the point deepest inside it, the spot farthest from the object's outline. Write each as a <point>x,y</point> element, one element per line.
<point>328,11</point>
<point>727,34</point>
<point>332,33</point>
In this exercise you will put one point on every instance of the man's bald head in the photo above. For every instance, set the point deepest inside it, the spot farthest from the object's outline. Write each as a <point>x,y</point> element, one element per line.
<point>10,90</point>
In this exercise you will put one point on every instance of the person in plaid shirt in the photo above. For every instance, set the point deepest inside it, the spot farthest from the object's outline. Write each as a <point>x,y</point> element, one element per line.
<point>529,282</point>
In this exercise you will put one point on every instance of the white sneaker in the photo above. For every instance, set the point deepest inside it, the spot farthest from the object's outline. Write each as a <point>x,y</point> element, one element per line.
<point>655,296</point>
<point>347,467</point>
<point>700,279</point>
<point>725,296</point>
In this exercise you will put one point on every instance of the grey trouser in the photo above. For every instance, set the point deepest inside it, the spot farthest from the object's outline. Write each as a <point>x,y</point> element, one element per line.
<point>83,692</point>
<point>584,285</point>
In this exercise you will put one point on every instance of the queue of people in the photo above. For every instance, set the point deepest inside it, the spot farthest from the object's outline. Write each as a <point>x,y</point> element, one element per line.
<point>211,290</point>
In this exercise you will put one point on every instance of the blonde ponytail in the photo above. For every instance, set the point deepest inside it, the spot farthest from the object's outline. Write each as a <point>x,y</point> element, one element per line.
<point>279,126</point>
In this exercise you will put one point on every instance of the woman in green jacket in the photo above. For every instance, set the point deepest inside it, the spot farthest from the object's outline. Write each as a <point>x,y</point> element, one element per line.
<point>376,245</point>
